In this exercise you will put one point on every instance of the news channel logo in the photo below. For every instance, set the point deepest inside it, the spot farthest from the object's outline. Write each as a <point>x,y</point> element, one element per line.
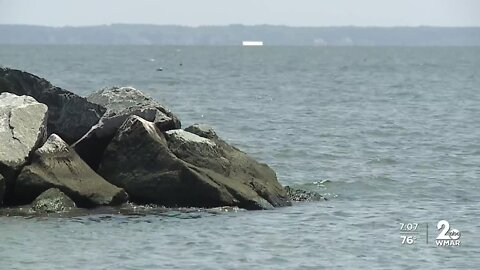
<point>412,233</point>
<point>447,236</point>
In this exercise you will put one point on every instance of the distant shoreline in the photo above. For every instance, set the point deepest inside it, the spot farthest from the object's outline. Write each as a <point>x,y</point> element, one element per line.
<point>233,35</point>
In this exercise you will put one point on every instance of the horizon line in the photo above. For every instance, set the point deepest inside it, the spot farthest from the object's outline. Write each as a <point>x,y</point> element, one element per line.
<point>236,24</point>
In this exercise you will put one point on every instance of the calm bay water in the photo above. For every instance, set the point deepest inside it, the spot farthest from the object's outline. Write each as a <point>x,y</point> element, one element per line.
<point>389,135</point>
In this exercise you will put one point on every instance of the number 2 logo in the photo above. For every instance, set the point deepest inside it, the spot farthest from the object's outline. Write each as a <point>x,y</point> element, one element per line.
<point>446,233</point>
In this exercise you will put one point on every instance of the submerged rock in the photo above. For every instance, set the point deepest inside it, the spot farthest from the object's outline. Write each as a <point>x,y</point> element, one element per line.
<point>56,165</point>
<point>183,169</point>
<point>120,103</point>
<point>52,201</point>
<point>70,116</point>
<point>22,130</point>
<point>299,195</point>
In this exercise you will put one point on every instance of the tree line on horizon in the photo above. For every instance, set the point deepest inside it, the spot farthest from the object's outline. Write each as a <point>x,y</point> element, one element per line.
<point>125,34</point>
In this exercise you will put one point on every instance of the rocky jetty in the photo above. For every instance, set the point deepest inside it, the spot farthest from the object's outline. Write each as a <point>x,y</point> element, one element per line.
<point>116,145</point>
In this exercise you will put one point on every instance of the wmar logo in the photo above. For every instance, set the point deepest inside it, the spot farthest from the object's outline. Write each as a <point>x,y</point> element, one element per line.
<point>447,236</point>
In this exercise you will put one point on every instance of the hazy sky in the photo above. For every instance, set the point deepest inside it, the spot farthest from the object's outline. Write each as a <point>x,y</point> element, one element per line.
<point>221,12</point>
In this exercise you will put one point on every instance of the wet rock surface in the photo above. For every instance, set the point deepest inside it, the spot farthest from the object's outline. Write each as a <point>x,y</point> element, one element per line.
<point>300,195</point>
<point>51,201</point>
<point>56,165</point>
<point>242,173</point>
<point>183,169</point>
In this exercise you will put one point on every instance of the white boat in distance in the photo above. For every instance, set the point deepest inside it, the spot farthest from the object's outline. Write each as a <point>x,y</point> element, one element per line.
<point>252,43</point>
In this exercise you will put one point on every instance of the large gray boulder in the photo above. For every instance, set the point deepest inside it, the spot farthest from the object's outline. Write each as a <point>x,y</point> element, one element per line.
<point>125,101</point>
<point>258,176</point>
<point>22,130</point>
<point>56,165</point>
<point>121,102</point>
<point>183,169</point>
<point>70,116</point>
<point>52,201</point>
